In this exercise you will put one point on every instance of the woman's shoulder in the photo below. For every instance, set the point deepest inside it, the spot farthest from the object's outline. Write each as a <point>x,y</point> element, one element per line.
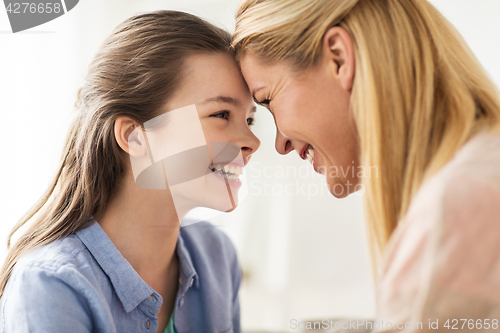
<point>445,249</point>
<point>473,175</point>
<point>477,161</point>
<point>460,202</point>
<point>461,198</point>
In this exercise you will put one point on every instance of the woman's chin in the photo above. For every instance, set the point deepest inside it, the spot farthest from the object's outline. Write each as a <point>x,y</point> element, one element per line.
<point>338,188</point>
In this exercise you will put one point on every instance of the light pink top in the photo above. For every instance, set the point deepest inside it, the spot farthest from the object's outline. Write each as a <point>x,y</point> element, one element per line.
<point>443,260</point>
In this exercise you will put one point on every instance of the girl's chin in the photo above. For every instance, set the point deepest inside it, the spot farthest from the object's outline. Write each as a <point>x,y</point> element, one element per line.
<point>230,210</point>
<point>219,195</point>
<point>207,192</point>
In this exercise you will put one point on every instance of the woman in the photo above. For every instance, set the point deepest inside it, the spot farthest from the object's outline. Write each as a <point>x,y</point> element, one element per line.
<point>104,251</point>
<point>391,89</point>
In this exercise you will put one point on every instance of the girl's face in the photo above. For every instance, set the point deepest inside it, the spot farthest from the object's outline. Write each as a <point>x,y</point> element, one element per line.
<point>311,111</point>
<point>214,84</point>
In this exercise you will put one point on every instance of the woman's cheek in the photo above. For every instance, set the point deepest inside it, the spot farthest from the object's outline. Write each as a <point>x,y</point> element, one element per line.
<point>284,123</point>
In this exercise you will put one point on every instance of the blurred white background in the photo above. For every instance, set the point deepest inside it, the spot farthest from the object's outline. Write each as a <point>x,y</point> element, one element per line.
<point>304,255</point>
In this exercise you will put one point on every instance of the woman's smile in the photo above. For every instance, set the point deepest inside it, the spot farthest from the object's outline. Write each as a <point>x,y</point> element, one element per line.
<point>311,112</point>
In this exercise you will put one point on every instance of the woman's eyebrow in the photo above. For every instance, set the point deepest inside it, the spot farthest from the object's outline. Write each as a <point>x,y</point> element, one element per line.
<point>224,99</point>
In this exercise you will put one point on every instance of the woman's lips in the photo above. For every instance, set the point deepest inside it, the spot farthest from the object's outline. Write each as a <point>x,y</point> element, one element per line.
<point>310,155</point>
<point>314,163</point>
<point>304,152</point>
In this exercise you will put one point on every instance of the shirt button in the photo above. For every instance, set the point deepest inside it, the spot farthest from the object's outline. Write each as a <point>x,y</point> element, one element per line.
<point>148,323</point>
<point>181,301</point>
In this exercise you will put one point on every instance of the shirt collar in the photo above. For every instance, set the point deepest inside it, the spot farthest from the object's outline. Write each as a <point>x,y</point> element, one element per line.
<point>129,286</point>
<point>188,274</point>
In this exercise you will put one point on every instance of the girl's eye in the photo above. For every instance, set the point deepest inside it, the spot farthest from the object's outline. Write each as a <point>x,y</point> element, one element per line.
<point>250,121</point>
<point>222,115</point>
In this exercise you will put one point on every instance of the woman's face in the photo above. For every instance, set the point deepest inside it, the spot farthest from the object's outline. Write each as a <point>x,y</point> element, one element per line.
<point>311,111</point>
<point>214,84</point>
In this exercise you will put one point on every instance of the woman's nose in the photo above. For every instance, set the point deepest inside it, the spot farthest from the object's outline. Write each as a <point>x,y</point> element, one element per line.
<point>283,144</point>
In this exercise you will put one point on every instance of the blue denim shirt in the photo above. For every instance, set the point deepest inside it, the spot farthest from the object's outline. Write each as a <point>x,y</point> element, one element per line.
<point>82,283</point>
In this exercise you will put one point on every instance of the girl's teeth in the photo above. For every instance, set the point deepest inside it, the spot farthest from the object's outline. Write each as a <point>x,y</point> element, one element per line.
<point>228,171</point>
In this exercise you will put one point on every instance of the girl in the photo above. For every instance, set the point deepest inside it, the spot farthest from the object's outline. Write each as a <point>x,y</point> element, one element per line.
<point>390,87</point>
<point>105,253</point>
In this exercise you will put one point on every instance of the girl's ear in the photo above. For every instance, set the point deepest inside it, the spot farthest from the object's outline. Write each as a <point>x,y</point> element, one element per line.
<point>129,136</point>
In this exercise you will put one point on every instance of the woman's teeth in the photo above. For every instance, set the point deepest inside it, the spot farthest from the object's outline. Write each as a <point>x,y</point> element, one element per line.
<point>230,171</point>
<point>310,154</point>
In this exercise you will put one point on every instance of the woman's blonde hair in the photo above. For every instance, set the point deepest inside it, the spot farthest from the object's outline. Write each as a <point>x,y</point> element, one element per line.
<point>418,93</point>
<point>135,72</point>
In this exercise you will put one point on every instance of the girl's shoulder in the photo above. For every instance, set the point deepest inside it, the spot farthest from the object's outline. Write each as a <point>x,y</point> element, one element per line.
<point>204,241</point>
<point>49,283</point>
<point>62,253</point>
<point>207,234</point>
<point>209,274</point>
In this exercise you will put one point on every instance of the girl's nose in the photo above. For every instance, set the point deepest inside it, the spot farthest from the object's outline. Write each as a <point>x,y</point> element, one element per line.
<point>249,144</point>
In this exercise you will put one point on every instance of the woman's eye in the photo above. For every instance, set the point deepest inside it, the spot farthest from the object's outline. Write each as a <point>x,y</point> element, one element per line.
<point>265,103</point>
<point>250,121</point>
<point>222,115</point>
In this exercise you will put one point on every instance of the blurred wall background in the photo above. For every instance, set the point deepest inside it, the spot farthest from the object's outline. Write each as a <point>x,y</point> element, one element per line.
<point>303,252</point>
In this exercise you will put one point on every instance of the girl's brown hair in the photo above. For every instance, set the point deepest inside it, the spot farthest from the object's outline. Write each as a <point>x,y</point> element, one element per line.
<point>134,73</point>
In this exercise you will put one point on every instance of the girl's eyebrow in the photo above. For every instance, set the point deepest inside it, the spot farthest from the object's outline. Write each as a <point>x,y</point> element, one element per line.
<point>224,99</point>
<point>228,100</point>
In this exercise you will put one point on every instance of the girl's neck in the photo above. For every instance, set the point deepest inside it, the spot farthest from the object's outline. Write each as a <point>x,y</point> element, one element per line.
<point>144,227</point>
